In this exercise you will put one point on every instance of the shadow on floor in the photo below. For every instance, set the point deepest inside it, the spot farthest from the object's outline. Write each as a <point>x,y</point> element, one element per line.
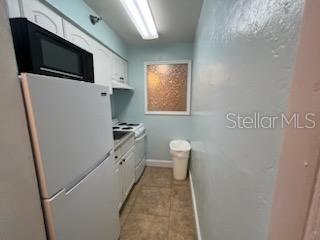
<point>158,208</point>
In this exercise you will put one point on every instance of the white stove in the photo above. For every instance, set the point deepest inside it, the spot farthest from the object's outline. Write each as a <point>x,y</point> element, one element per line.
<point>137,128</point>
<point>140,142</point>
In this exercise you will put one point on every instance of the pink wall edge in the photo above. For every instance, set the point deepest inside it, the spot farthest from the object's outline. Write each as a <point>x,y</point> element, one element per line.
<point>301,147</point>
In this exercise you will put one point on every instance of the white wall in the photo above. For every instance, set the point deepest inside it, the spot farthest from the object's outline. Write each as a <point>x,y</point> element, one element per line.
<point>243,60</point>
<point>20,208</point>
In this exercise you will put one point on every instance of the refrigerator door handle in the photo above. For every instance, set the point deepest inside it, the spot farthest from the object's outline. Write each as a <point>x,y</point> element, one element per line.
<point>73,185</point>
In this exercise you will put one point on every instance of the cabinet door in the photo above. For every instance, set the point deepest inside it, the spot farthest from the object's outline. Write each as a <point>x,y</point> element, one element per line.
<point>129,172</point>
<point>121,70</point>
<point>77,37</point>
<point>13,8</point>
<point>43,16</point>
<point>115,68</point>
<point>102,66</point>
<point>125,71</point>
<point>118,187</point>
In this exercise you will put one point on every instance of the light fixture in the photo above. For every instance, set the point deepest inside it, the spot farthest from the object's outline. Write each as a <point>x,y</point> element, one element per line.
<point>140,14</point>
<point>94,19</point>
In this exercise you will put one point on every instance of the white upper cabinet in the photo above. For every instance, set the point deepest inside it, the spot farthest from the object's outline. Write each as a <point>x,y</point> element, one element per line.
<point>102,66</point>
<point>77,37</point>
<point>43,16</point>
<point>101,55</point>
<point>13,8</point>
<point>115,68</point>
<point>125,71</point>
<point>108,66</point>
<point>119,69</point>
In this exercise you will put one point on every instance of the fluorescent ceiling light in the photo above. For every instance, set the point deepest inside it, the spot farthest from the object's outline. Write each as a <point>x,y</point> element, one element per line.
<point>140,14</point>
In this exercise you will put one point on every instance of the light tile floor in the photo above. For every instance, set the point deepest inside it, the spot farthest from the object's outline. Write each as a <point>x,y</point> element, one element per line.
<point>158,208</point>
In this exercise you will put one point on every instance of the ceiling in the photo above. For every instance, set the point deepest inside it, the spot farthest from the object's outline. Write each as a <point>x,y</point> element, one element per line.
<point>176,20</point>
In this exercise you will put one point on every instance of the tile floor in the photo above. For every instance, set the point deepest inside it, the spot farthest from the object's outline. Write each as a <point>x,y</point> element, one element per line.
<point>158,208</point>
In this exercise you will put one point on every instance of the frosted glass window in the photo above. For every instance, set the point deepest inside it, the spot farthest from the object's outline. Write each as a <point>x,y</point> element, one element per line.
<point>168,88</point>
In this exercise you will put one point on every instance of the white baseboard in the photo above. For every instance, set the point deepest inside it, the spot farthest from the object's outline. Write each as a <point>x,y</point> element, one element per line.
<point>195,209</point>
<point>159,163</point>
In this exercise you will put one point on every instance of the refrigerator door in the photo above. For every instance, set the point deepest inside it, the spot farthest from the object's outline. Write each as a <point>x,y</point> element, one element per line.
<point>71,129</point>
<point>87,210</point>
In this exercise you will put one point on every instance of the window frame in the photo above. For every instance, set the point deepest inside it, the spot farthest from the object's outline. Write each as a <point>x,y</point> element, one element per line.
<point>184,113</point>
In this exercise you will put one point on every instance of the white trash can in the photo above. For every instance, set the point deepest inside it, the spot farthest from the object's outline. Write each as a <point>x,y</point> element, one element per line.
<point>179,151</point>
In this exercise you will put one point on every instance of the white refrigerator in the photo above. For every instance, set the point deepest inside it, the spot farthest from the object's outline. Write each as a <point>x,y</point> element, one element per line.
<point>71,131</point>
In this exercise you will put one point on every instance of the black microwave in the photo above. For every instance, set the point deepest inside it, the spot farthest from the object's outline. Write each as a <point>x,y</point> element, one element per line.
<point>42,52</point>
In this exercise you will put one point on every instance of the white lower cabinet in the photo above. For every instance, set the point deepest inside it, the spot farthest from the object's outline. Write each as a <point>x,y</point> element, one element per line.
<point>124,171</point>
<point>128,167</point>
<point>118,188</point>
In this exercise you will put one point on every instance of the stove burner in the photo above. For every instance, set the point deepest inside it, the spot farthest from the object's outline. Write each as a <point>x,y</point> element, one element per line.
<point>115,127</point>
<point>127,128</point>
<point>133,124</point>
<point>122,124</point>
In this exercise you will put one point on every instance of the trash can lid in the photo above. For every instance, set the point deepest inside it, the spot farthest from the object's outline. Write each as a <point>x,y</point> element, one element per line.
<point>180,145</point>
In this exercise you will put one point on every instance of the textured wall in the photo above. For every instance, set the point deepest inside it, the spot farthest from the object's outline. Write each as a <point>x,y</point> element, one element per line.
<point>78,11</point>
<point>20,207</point>
<point>129,106</point>
<point>243,59</point>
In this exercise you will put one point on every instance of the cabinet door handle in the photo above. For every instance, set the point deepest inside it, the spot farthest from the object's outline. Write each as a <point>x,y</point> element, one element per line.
<point>124,160</point>
<point>120,163</point>
<point>116,157</point>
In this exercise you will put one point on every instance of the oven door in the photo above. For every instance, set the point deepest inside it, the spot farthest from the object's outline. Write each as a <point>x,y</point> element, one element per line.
<point>140,155</point>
